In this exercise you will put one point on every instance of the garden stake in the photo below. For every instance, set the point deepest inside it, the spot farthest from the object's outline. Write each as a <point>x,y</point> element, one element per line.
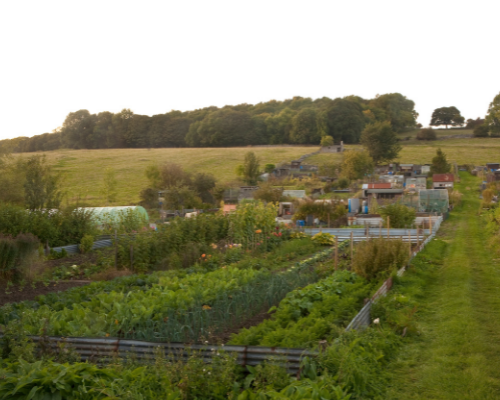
<point>388,226</point>
<point>430,225</point>
<point>380,229</point>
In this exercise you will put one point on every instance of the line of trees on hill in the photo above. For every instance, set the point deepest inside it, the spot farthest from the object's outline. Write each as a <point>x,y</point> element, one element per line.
<point>294,121</point>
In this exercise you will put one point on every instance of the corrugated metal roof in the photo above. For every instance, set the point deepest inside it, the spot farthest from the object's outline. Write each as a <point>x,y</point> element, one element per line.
<point>443,178</point>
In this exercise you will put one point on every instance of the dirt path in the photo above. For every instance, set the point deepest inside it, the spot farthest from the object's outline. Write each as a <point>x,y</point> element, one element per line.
<point>457,355</point>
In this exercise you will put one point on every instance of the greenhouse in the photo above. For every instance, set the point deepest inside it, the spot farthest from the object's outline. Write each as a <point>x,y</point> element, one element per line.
<point>433,200</point>
<point>108,216</point>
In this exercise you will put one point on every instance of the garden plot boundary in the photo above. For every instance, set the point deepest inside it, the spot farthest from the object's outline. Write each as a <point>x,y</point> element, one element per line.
<point>363,318</point>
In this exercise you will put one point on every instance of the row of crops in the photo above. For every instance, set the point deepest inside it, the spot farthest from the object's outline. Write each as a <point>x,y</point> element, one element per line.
<point>173,305</point>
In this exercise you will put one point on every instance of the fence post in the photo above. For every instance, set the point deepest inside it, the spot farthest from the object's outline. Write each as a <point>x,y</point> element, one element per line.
<point>380,229</point>
<point>418,238</point>
<point>430,225</point>
<point>328,220</point>
<point>388,227</point>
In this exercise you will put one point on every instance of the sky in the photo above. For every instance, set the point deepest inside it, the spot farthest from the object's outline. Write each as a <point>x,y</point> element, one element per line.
<point>155,56</point>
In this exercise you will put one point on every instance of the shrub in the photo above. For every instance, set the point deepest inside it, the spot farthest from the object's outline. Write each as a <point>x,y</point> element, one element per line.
<point>324,239</point>
<point>426,134</point>
<point>481,131</point>
<point>16,254</point>
<point>377,258</point>
<point>399,215</point>
<point>86,243</point>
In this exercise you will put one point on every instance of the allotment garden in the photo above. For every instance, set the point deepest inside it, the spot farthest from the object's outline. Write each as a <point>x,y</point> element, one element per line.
<point>212,284</point>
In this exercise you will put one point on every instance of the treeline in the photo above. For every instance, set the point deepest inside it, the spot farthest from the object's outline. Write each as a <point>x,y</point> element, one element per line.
<point>295,121</point>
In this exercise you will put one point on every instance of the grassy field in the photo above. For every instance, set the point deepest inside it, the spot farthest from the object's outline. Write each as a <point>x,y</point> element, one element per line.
<point>84,169</point>
<point>457,354</point>
<point>462,151</point>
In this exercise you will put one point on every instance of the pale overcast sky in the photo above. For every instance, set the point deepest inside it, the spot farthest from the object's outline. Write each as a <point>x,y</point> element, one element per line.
<point>155,56</point>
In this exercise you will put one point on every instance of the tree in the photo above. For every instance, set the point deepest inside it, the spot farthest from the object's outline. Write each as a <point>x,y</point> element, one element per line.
<point>440,164</point>
<point>493,116</point>
<point>344,120</point>
<point>77,130</point>
<point>427,134</point>
<point>269,168</point>
<point>305,127</point>
<point>249,171</point>
<point>42,187</point>
<point>109,183</point>
<point>381,142</point>
<point>203,184</point>
<point>357,164</point>
<point>395,108</point>
<point>268,193</point>
<point>326,141</point>
<point>473,123</point>
<point>447,116</point>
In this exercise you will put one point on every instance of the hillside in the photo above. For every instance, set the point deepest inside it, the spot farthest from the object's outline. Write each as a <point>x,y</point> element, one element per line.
<point>84,169</point>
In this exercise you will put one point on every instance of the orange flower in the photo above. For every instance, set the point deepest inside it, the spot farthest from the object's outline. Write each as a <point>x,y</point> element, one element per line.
<point>107,334</point>
<point>116,322</point>
<point>258,231</point>
<point>203,255</point>
<point>206,307</point>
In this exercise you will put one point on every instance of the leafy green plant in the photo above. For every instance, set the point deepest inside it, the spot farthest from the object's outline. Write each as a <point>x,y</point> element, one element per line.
<point>324,239</point>
<point>377,258</point>
<point>399,215</point>
<point>86,243</point>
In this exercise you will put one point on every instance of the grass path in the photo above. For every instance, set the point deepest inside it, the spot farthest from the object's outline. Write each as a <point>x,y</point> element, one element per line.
<point>457,355</point>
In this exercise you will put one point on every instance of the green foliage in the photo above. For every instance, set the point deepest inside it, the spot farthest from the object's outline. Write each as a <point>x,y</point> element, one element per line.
<point>42,187</point>
<point>381,142</point>
<point>481,131</point>
<point>447,116</point>
<point>86,243</point>
<point>326,141</point>
<point>307,316</point>
<point>343,120</point>
<point>58,228</point>
<point>493,117</point>
<point>396,109</point>
<point>249,171</point>
<point>400,216</point>
<point>324,239</point>
<point>305,127</point>
<point>440,164</point>
<point>269,168</point>
<point>252,221</point>
<point>378,258</point>
<point>426,134</point>
<point>357,164</point>
<point>109,182</point>
<point>16,253</point>
<point>322,210</point>
<point>268,193</point>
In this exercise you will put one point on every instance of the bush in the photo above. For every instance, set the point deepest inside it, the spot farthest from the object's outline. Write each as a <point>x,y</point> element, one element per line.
<point>481,131</point>
<point>86,243</point>
<point>399,215</point>
<point>16,254</point>
<point>377,258</point>
<point>427,134</point>
<point>324,239</point>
